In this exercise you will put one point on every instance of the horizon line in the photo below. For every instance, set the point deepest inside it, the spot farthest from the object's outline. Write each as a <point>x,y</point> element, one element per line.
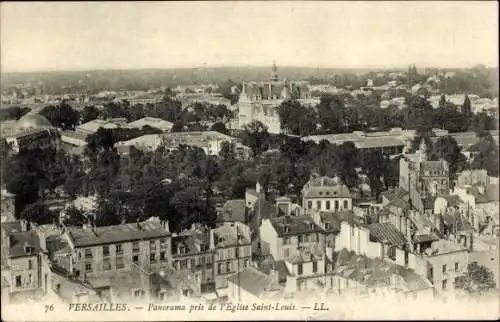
<point>98,69</point>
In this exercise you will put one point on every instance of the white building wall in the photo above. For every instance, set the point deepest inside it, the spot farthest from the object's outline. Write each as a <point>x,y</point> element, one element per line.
<point>269,237</point>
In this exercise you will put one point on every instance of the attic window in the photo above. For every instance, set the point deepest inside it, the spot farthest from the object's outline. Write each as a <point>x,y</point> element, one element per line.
<point>327,193</point>
<point>321,193</point>
<point>327,226</point>
<point>311,225</point>
<point>181,249</point>
<point>28,250</point>
<point>221,239</point>
<point>335,192</point>
<point>286,228</point>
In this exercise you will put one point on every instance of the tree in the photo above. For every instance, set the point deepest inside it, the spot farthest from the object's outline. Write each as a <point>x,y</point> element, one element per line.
<point>63,116</point>
<point>13,113</point>
<point>39,213</point>
<point>219,127</point>
<point>477,279</point>
<point>296,118</point>
<point>486,154</point>
<point>466,107</point>
<point>89,113</point>
<point>103,139</point>
<point>442,101</point>
<point>447,148</point>
<point>255,136</point>
<point>177,127</point>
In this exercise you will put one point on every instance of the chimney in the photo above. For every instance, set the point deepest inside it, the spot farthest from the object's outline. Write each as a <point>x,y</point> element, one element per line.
<point>84,226</point>
<point>258,187</point>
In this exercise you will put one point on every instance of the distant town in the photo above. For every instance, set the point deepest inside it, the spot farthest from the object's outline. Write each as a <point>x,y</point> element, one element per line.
<point>149,186</point>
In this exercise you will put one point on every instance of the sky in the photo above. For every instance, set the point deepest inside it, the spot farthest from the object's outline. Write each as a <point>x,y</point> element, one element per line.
<point>38,36</point>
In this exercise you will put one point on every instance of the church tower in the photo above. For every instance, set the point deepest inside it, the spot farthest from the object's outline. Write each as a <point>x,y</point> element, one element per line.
<point>274,74</point>
<point>422,151</point>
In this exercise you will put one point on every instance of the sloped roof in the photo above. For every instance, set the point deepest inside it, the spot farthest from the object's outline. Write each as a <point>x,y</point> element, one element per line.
<point>292,225</point>
<point>252,281</point>
<point>386,233</point>
<point>19,240</point>
<point>117,233</point>
<point>325,187</point>
<point>457,221</point>
<point>334,219</point>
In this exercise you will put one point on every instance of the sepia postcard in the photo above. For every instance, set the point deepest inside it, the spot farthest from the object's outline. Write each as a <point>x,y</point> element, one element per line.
<point>249,160</point>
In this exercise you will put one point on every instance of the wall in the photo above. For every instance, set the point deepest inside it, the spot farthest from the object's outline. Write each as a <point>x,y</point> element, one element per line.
<point>323,201</point>
<point>357,240</point>
<point>437,262</point>
<point>244,296</point>
<point>8,208</point>
<point>227,255</point>
<point>30,278</point>
<point>144,253</point>
<point>269,237</point>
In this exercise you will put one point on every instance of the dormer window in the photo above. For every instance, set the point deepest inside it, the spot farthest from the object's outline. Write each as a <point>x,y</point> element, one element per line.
<point>311,225</point>
<point>28,250</point>
<point>181,249</point>
<point>328,226</point>
<point>221,239</point>
<point>286,229</point>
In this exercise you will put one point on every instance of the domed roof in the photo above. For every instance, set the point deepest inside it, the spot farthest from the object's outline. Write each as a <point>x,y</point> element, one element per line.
<point>30,121</point>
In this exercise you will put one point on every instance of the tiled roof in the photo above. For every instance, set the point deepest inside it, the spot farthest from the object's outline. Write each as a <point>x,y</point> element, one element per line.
<point>325,187</point>
<point>19,241</point>
<point>490,194</point>
<point>452,200</point>
<point>304,254</point>
<point>117,233</point>
<point>386,233</point>
<point>58,245</point>
<point>192,242</point>
<point>457,221</point>
<point>379,142</point>
<point>252,281</point>
<point>229,235</point>
<point>292,225</point>
<point>153,122</point>
<point>334,219</point>
<point>397,193</point>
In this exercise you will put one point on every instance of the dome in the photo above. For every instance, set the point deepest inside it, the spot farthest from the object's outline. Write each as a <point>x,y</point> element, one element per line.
<point>30,121</point>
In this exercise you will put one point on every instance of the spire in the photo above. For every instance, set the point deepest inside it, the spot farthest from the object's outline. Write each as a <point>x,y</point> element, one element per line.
<point>274,74</point>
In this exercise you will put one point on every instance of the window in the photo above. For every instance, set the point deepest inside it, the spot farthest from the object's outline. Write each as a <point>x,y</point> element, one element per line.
<point>228,267</point>
<point>135,258</point>
<point>183,263</point>
<point>246,263</point>
<point>138,293</point>
<point>162,256</point>
<point>119,263</point>
<point>152,245</point>
<point>315,267</point>
<point>444,269</point>
<point>88,253</point>
<point>30,279</point>
<point>88,267</point>
<point>30,264</point>
<point>163,296</point>
<point>444,284</point>
<point>328,205</point>
<point>152,257</point>
<point>18,281</point>
<point>163,242</point>
<point>106,264</point>
<point>336,204</point>
<point>444,181</point>
<point>456,267</point>
<point>346,204</point>
<point>219,268</point>
<point>119,249</point>
<point>392,253</point>
<point>300,238</point>
<point>286,240</point>
<point>299,268</point>
<point>321,193</point>
<point>105,250</point>
<point>318,204</point>
<point>135,247</point>
<point>286,252</point>
<point>431,274</point>
<point>309,204</point>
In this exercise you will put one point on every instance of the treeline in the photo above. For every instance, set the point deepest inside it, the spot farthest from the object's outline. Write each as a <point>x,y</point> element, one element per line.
<point>186,186</point>
<point>345,114</point>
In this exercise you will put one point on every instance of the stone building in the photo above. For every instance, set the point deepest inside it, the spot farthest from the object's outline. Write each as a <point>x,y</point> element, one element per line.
<point>423,179</point>
<point>259,101</point>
